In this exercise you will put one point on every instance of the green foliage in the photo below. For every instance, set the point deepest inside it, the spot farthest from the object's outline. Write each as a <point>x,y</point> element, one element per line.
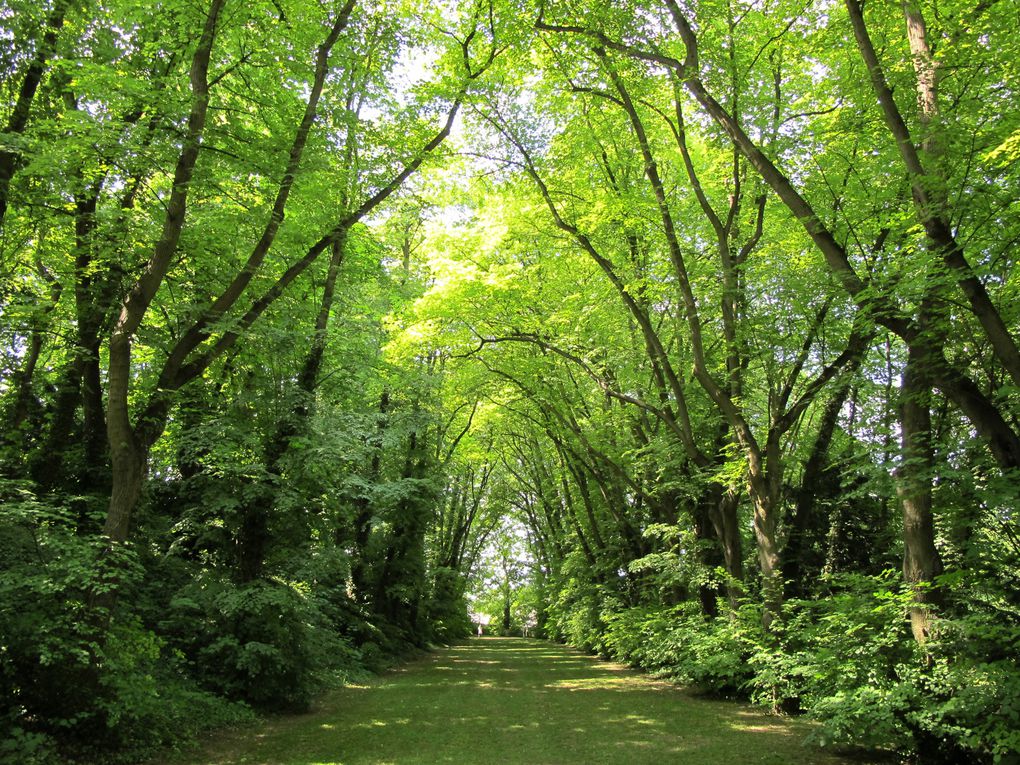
<point>679,643</point>
<point>849,662</point>
<point>576,613</point>
<point>447,606</point>
<point>76,682</point>
<point>563,372</point>
<point>265,643</point>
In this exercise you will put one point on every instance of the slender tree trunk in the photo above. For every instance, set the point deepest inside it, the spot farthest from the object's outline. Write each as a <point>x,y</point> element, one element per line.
<point>364,508</point>
<point>22,396</point>
<point>725,503</point>
<point>928,184</point>
<point>816,480</point>
<point>18,121</point>
<point>709,555</point>
<point>254,538</point>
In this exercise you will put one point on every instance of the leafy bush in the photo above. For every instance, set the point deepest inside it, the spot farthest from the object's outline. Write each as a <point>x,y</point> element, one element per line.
<point>53,642</point>
<point>840,657</point>
<point>680,644</point>
<point>967,690</point>
<point>265,642</point>
<point>850,662</point>
<point>578,611</point>
<point>77,680</point>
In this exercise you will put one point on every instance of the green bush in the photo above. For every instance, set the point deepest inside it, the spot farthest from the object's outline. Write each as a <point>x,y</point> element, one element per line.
<point>847,659</point>
<point>968,688</point>
<point>77,680</point>
<point>53,643</point>
<point>264,642</point>
<point>578,612</point>
<point>679,643</point>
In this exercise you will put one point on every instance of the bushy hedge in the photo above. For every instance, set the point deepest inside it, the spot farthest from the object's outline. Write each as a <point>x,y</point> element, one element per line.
<point>847,660</point>
<point>77,681</point>
<point>265,642</point>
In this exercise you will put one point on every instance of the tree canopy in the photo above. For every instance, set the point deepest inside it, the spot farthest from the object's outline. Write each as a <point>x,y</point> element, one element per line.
<point>682,332</point>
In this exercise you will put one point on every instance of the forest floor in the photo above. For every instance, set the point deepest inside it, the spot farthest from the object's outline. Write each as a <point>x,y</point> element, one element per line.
<point>508,700</point>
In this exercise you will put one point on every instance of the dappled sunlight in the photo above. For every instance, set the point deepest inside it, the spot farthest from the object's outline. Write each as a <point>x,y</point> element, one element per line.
<point>529,702</point>
<point>600,683</point>
<point>371,724</point>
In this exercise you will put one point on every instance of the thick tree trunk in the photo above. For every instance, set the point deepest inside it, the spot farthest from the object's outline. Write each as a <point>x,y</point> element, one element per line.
<point>129,463</point>
<point>129,450</point>
<point>921,561</point>
<point>92,310</point>
<point>709,555</point>
<point>253,534</point>
<point>507,621</point>
<point>765,523</point>
<point>47,467</point>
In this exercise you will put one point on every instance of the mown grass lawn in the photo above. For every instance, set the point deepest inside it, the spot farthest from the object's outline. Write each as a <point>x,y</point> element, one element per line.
<point>497,700</point>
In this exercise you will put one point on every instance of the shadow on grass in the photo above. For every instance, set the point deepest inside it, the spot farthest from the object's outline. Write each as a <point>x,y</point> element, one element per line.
<point>517,701</point>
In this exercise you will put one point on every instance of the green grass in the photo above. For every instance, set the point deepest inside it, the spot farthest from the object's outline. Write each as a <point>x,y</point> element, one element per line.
<point>504,700</point>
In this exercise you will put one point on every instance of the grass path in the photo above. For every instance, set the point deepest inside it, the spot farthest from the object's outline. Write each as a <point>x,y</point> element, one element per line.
<point>499,700</point>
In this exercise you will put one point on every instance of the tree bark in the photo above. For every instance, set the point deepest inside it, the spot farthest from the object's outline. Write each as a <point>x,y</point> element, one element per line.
<point>921,560</point>
<point>724,503</point>
<point>129,452</point>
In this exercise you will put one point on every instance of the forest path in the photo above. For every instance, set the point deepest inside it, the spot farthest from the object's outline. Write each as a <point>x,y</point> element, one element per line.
<point>511,700</point>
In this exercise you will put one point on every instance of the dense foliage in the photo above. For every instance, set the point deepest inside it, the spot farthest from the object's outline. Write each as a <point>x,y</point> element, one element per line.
<point>682,332</point>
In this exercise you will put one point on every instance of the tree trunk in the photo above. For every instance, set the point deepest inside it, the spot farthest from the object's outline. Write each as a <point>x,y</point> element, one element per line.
<point>723,512</point>
<point>765,522</point>
<point>18,121</point>
<point>817,480</point>
<point>364,508</point>
<point>507,623</point>
<point>921,561</point>
<point>129,451</point>
<point>710,554</point>
<point>253,534</point>
<point>129,461</point>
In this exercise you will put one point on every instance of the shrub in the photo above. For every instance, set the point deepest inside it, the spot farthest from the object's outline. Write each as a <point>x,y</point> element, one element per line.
<point>679,643</point>
<point>78,681</point>
<point>849,661</point>
<point>265,642</point>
